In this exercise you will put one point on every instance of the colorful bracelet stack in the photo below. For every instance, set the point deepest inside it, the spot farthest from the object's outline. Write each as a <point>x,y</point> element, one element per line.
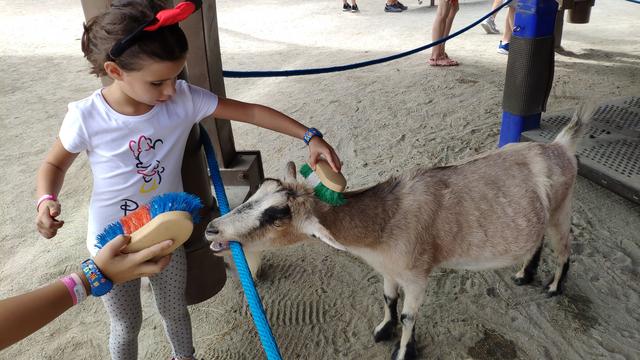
<point>311,132</point>
<point>76,287</point>
<point>100,285</point>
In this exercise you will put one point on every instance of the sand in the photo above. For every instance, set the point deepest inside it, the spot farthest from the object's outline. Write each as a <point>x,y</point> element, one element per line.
<point>323,304</point>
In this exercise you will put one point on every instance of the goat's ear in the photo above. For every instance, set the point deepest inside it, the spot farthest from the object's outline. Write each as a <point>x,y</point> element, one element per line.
<point>290,172</point>
<point>313,228</point>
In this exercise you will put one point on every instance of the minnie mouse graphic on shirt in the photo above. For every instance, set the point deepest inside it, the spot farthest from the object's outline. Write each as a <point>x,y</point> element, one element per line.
<point>148,166</point>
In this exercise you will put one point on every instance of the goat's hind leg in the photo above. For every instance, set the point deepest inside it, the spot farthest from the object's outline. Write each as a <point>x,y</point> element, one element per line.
<point>405,349</point>
<point>529,269</point>
<point>560,235</point>
<point>385,330</point>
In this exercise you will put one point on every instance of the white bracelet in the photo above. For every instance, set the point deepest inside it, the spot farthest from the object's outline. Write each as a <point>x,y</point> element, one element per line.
<point>79,290</point>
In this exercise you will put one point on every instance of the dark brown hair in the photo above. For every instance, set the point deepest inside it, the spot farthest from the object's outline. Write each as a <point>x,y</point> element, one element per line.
<point>101,32</point>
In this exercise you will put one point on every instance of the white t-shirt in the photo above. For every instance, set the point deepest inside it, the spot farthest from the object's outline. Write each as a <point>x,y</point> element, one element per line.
<point>133,158</point>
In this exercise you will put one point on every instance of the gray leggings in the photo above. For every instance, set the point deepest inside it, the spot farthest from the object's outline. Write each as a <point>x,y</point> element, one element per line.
<point>125,311</point>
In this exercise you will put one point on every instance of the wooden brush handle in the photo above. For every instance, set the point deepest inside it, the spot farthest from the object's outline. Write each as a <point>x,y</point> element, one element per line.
<point>172,225</point>
<point>329,178</point>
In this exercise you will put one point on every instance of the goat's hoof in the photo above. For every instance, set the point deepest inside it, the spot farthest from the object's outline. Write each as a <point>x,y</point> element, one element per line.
<point>410,352</point>
<point>551,294</point>
<point>385,333</point>
<point>525,280</point>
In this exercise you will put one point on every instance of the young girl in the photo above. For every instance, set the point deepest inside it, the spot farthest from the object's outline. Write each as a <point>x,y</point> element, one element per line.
<point>134,132</point>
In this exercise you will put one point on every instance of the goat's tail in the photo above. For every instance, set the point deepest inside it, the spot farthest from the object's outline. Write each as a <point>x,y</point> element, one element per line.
<point>575,129</point>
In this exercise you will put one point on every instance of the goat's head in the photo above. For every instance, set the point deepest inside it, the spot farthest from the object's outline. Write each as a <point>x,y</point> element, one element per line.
<point>280,213</point>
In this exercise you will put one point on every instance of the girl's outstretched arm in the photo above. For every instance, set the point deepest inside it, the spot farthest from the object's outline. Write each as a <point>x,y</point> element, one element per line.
<point>271,119</point>
<point>22,315</point>
<point>49,182</point>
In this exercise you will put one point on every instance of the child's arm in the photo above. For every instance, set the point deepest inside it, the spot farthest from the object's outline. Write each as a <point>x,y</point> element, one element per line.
<point>271,119</point>
<point>23,314</point>
<point>50,179</point>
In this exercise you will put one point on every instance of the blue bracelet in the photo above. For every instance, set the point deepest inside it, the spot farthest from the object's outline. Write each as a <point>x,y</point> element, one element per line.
<point>311,132</point>
<point>100,285</point>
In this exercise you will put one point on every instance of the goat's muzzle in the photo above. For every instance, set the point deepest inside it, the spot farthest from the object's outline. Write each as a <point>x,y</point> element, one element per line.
<point>211,234</point>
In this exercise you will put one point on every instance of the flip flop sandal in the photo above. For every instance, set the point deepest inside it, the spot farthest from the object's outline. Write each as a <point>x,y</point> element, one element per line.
<point>443,62</point>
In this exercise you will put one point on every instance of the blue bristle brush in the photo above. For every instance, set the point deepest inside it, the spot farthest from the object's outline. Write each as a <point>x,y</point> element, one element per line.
<point>166,216</point>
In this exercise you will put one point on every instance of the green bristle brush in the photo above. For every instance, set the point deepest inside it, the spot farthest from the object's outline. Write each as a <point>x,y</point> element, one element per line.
<point>327,184</point>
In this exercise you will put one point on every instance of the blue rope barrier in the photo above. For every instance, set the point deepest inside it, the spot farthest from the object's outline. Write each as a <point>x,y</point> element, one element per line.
<point>324,70</point>
<point>253,298</point>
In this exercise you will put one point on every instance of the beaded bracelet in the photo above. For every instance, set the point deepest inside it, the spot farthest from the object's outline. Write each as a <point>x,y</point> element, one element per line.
<point>311,132</point>
<point>100,285</point>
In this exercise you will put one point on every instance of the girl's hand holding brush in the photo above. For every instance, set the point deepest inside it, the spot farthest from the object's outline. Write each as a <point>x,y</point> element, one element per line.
<point>317,147</point>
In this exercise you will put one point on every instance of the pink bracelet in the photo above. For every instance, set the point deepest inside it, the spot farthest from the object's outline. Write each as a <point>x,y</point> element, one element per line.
<point>70,283</point>
<point>43,198</point>
<point>76,287</point>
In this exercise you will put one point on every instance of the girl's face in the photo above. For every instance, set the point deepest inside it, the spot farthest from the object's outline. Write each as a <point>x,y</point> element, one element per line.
<point>154,83</point>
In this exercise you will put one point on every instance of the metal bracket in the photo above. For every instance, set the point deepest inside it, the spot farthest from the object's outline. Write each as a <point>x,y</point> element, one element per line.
<point>244,172</point>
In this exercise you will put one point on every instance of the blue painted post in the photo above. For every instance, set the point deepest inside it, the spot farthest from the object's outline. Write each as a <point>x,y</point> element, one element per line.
<point>534,19</point>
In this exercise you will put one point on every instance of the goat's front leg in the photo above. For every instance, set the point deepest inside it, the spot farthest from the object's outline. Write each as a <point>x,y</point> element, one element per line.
<point>413,297</point>
<point>384,330</point>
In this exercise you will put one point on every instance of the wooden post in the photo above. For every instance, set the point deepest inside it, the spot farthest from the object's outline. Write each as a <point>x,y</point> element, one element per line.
<point>204,69</point>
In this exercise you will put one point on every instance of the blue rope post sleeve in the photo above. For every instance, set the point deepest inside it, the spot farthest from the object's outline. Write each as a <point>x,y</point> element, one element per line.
<point>253,299</point>
<point>330,69</point>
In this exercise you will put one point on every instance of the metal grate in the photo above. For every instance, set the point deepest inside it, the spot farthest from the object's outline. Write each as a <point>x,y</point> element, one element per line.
<point>609,153</point>
<point>621,156</point>
<point>632,102</point>
<point>551,126</point>
<point>618,117</point>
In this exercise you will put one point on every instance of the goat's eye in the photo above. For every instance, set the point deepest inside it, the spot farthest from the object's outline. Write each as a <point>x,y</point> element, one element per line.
<point>277,223</point>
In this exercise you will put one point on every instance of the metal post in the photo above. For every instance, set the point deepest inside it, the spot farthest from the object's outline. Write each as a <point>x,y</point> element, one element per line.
<point>529,68</point>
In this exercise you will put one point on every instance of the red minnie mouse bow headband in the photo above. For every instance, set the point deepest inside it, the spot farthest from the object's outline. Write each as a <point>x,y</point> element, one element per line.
<point>163,18</point>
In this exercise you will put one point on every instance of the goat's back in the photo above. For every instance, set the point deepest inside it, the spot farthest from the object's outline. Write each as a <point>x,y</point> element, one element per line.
<point>495,206</point>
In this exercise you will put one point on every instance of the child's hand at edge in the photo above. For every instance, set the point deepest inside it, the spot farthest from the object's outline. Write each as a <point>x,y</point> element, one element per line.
<point>46,220</point>
<point>317,147</point>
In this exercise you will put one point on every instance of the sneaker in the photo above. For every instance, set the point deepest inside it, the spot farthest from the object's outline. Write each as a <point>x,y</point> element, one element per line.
<point>401,6</point>
<point>503,48</point>
<point>354,8</point>
<point>392,8</point>
<point>346,7</point>
<point>489,25</point>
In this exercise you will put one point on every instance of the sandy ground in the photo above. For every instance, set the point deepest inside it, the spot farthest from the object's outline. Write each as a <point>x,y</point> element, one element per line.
<point>323,304</point>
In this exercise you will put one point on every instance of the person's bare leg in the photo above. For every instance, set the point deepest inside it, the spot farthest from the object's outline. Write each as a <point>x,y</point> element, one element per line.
<point>495,4</point>
<point>508,25</point>
<point>447,25</point>
<point>437,30</point>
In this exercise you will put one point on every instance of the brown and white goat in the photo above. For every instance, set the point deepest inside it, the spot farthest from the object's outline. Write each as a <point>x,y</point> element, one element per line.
<point>488,212</point>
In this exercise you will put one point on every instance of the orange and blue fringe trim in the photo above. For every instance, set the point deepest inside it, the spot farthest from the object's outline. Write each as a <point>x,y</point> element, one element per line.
<point>173,201</point>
